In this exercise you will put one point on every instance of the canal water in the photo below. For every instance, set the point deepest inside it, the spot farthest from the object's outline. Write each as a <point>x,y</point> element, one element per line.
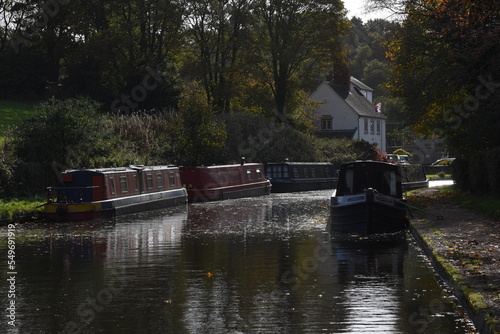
<point>254,265</point>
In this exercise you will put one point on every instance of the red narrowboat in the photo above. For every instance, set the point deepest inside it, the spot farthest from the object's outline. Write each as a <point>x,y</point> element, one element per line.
<point>94,193</point>
<point>225,181</point>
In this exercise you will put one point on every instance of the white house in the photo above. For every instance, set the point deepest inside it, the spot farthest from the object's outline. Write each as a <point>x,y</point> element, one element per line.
<point>349,112</point>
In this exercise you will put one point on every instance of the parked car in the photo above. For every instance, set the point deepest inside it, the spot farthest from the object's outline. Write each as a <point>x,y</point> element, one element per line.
<point>398,158</point>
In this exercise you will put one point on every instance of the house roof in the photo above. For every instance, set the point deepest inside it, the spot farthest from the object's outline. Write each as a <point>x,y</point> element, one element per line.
<point>356,100</point>
<point>360,85</point>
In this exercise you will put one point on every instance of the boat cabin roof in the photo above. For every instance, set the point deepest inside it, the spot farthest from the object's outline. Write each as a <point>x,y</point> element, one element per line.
<point>118,170</point>
<point>246,164</point>
<point>301,163</point>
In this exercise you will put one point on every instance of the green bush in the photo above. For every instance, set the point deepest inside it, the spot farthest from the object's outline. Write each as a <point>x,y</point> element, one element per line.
<point>400,151</point>
<point>7,163</point>
<point>61,134</point>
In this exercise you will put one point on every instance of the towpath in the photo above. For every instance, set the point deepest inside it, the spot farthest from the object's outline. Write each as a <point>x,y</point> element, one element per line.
<point>465,249</point>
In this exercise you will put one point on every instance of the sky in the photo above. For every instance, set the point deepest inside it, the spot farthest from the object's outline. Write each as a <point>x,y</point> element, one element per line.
<point>357,8</point>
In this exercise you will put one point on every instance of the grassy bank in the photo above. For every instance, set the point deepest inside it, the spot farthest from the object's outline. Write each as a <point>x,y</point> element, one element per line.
<point>484,204</point>
<point>16,210</point>
<point>487,205</point>
<point>12,113</point>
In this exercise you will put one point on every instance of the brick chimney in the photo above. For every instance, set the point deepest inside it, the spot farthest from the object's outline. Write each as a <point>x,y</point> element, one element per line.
<point>340,73</point>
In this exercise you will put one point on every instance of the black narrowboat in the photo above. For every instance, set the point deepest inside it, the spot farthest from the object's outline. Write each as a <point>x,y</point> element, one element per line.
<point>94,193</point>
<point>368,199</point>
<point>301,176</point>
<point>210,183</point>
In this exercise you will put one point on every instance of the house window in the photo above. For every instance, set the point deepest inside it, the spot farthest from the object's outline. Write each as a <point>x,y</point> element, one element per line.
<point>372,127</point>
<point>326,123</point>
<point>366,126</point>
<point>378,127</point>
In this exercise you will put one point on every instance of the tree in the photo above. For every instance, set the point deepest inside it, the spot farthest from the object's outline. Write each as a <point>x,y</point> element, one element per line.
<point>218,33</point>
<point>445,58</point>
<point>124,40</point>
<point>197,136</point>
<point>293,40</point>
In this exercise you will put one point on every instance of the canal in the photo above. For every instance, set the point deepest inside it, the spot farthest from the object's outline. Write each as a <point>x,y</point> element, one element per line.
<point>254,265</point>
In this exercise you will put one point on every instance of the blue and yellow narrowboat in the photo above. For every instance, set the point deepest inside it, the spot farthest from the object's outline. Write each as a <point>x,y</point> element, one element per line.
<point>93,193</point>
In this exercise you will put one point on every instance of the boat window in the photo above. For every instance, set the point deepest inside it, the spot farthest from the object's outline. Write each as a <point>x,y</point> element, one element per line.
<point>285,172</point>
<point>159,180</point>
<point>149,181</point>
<point>296,172</point>
<point>387,184</point>
<point>269,171</point>
<point>249,174</point>
<point>172,179</point>
<point>136,182</point>
<point>306,172</point>
<point>123,184</point>
<point>259,174</point>
<point>313,171</point>
<point>112,184</point>
<point>392,184</point>
<point>349,179</point>
<point>277,172</point>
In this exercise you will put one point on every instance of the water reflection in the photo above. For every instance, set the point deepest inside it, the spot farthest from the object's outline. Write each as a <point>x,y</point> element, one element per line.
<point>370,272</point>
<point>263,265</point>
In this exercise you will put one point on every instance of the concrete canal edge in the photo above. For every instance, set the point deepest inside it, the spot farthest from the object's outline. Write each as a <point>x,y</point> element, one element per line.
<point>426,236</point>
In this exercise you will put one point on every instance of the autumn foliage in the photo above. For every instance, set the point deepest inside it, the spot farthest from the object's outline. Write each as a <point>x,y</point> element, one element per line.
<point>445,66</point>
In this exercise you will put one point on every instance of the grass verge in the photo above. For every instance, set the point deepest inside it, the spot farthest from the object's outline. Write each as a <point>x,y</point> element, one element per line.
<point>12,113</point>
<point>19,209</point>
<point>484,204</point>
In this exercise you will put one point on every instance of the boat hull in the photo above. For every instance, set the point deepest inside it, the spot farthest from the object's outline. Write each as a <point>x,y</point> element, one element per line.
<point>115,207</point>
<point>230,192</point>
<point>296,186</point>
<point>367,214</point>
<point>415,185</point>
